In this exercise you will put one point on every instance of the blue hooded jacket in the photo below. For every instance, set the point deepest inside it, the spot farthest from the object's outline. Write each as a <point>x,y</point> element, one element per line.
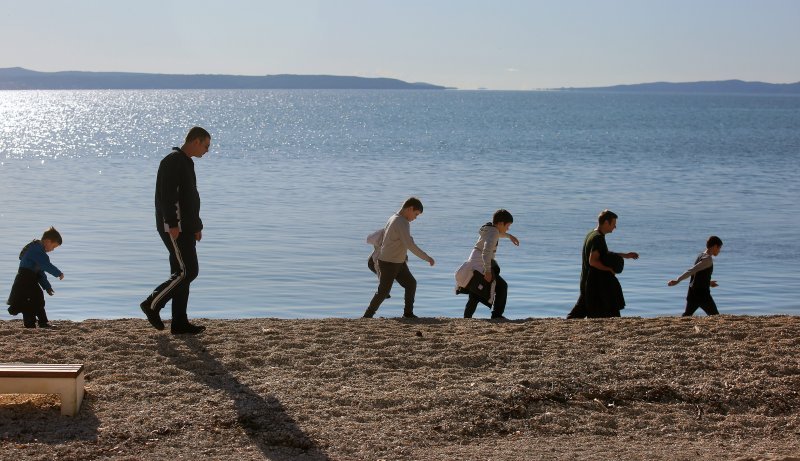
<point>34,257</point>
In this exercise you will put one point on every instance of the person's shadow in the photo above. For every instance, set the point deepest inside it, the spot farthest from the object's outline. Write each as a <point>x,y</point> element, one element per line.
<point>263,418</point>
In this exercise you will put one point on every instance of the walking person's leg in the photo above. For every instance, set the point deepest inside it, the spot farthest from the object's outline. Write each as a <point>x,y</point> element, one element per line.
<point>187,255</point>
<point>709,307</point>
<point>41,316</point>
<point>163,293</point>
<point>407,281</point>
<point>388,272</point>
<point>691,305</point>
<point>29,318</point>
<point>471,306</point>
<point>500,296</point>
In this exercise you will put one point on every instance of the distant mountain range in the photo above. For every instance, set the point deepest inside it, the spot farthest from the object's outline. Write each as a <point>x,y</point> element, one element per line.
<point>723,86</point>
<point>17,78</point>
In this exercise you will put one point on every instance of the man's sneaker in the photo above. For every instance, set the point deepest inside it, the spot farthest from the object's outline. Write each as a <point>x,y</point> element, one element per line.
<point>410,315</point>
<point>152,316</point>
<point>499,318</point>
<point>188,329</point>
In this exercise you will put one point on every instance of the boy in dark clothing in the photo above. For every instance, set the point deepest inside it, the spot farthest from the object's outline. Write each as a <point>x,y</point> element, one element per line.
<point>177,204</point>
<point>482,260</point>
<point>26,295</point>
<point>699,294</point>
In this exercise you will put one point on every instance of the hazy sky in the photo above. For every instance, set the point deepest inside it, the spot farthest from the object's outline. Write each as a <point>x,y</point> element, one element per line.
<point>497,44</point>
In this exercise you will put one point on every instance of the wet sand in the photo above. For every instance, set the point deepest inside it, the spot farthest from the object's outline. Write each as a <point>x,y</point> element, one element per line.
<point>432,389</point>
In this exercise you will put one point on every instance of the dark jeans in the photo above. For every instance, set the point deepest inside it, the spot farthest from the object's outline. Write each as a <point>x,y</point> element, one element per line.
<point>389,273</point>
<point>184,268</point>
<point>500,296</point>
<point>706,303</point>
<point>30,317</point>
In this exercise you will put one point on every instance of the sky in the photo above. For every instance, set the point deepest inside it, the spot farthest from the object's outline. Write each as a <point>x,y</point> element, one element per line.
<point>466,44</point>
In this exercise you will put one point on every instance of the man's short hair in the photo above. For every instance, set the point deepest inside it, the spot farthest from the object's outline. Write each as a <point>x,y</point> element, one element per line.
<point>502,215</point>
<point>414,203</point>
<point>606,216</point>
<point>197,133</point>
<point>52,235</point>
<point>713,241</point>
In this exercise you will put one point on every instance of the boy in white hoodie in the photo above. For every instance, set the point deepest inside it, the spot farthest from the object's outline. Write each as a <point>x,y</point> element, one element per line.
<point>482,260</point>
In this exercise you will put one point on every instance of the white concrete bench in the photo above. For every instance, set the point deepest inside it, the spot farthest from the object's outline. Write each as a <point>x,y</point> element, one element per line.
<point>65,380</point>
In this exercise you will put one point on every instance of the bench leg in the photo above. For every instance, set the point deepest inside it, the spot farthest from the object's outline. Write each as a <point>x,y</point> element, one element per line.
<point>69,403</point>
<point>71,400</point>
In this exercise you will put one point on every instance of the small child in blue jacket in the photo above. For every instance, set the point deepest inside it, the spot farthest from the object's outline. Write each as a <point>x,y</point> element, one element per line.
<point>26,295</point>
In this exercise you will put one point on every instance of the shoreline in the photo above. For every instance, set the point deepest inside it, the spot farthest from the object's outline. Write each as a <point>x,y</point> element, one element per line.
<point>721,387</point>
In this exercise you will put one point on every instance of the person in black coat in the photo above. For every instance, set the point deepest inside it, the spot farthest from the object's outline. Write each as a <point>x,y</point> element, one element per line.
<point>600,291</point>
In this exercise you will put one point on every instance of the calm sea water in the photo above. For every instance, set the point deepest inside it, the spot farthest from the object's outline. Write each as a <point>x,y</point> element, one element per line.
<point>295,181</point>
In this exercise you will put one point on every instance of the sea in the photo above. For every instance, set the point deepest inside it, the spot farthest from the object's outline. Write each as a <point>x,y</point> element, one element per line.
<point>295,181</point>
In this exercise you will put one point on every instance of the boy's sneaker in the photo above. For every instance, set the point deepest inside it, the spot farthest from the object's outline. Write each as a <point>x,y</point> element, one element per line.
<point>46,325</point>
<point>152,316</point>
<point>188,329</point>
<point>499,318</point>
<point>410,315</point>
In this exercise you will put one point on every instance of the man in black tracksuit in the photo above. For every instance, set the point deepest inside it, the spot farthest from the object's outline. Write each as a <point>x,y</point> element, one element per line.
<point>178,222</point>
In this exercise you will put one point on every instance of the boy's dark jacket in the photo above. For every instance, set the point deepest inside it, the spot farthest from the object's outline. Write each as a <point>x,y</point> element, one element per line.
<point>33,265</point>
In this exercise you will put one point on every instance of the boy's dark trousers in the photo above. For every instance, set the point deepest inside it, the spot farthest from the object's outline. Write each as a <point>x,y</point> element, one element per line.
<point>30,316</point>
<point>703,301</point>
<point>184,267</point>
<point>500,296</point>
<point>389,273</point>
<point>27,298</point>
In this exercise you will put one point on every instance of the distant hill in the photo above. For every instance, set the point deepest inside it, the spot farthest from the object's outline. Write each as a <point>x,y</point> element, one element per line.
<point>17,78</point>
<point>724,86</point>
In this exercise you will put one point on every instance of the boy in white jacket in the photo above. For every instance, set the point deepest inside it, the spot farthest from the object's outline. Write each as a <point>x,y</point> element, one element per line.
<point>481,259</point>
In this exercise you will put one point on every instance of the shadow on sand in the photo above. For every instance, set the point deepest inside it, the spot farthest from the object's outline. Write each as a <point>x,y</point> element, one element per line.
<point>262,418</point>
<point>40,421</point>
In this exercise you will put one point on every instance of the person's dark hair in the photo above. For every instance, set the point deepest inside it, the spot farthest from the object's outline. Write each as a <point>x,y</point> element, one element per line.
<point>414,203</point>
<point>502,215</point>
<point>606,216</point>
<point>713,241</point>
<point>52,235</point>
<point>197,133</point>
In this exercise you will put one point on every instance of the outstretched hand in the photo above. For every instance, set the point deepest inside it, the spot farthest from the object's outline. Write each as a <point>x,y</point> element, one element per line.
<point>431,261</point>
<point>513,239</point>
<point>672,283</point>
<point>631,255</point>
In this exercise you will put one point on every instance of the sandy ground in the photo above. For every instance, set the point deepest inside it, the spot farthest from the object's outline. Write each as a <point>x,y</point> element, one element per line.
<point>432,389</point>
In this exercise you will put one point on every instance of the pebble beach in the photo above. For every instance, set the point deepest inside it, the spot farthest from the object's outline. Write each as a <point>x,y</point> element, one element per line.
<point>670,388</point>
